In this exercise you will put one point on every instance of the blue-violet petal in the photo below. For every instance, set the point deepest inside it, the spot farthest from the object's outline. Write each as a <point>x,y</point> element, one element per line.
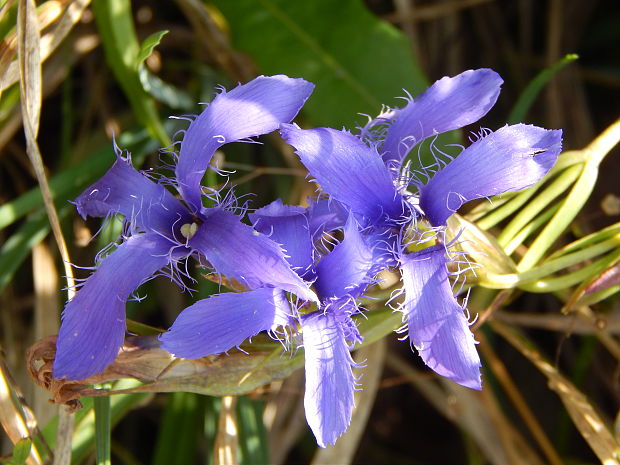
<point>347,169</point>
<point>330,383</point>
<point>288,226</point>
<point>223,321</point>
<point>345,270</point>
<point>122,189</point>
<point>437,324</point>
<point>450,103</point>
<point>240,252</point>
<point>93,322</point>
<point>248,110</point>
<point>509,159</point>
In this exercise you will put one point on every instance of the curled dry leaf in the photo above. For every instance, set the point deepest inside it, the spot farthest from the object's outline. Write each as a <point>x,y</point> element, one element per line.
<point>142,358</point>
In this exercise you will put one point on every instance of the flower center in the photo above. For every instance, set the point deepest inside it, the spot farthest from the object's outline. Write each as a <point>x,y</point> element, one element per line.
<point>188,230</point>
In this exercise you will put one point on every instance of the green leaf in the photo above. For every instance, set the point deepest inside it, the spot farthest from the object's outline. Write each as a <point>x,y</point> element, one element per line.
<point>529,94</point>
<point>84,430</point>
<point>357,61</point>
<point>149,44</point>
<point>164,92</point>
<point>15,250</point>
<point>103,430</point>
<point>252,432</point>
<point>180,428</point>
<point>160,90</point>
<point>21,451</point>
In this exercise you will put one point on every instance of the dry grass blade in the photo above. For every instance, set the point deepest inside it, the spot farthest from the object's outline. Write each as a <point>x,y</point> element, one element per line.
<point>64,437</point>
<point>215,41</point>
<point>575,323</point>
<point>509,386</point>
<point>586,419</point>
<point>61,16</point>
<point>46,316</point>
<point>346,446</point>
<point>12,416</point>
<point>284,416</point>
<point>227,439</point>
<point>30,93</point>
<point>434,11</point>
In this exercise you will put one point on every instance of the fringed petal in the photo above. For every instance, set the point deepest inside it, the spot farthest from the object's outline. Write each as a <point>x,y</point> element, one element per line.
<point>248,110</point>
<point>288,226</point>
<point>238,251</point>
<point>345,270</point>
<point>326,215</point>
<point>450,103</point>
<point>223,321</point>
<point>347,169</point>
<point>146,204</point>
<point>93,322</point>
<point>509,159</point>
<point>330,383</point>
<point>437,324</point>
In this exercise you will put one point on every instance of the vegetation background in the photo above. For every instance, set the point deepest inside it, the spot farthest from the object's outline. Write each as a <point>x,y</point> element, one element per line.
<point>551,359</point>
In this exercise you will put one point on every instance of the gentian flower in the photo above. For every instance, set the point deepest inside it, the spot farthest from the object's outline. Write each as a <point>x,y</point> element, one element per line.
<point>162,229</point>
<point>366,173</point>
<point>221,322</point>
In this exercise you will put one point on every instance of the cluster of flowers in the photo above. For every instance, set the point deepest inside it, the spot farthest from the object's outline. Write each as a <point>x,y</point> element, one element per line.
<point>293,274</point>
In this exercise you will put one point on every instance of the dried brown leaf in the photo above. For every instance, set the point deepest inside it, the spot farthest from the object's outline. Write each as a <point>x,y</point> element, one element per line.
<point>142,359</point>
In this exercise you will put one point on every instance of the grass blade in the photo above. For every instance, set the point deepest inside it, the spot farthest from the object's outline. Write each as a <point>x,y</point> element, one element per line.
<point>103,430</point>
<point>527,97</point>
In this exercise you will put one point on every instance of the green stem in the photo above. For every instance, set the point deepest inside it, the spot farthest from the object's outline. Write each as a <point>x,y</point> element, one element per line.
<point>514,201</point>
<point>507,281</point>
<point>103,429</point>
<point>527,214</point>
<point>529,229</point>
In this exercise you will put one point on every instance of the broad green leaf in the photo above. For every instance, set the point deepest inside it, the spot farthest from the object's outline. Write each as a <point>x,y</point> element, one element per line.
<point>357,61</point>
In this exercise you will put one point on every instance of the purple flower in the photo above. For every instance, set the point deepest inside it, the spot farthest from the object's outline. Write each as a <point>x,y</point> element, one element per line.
<point>162,230</point>
<point>222,322</point>
<point>366,174</point>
